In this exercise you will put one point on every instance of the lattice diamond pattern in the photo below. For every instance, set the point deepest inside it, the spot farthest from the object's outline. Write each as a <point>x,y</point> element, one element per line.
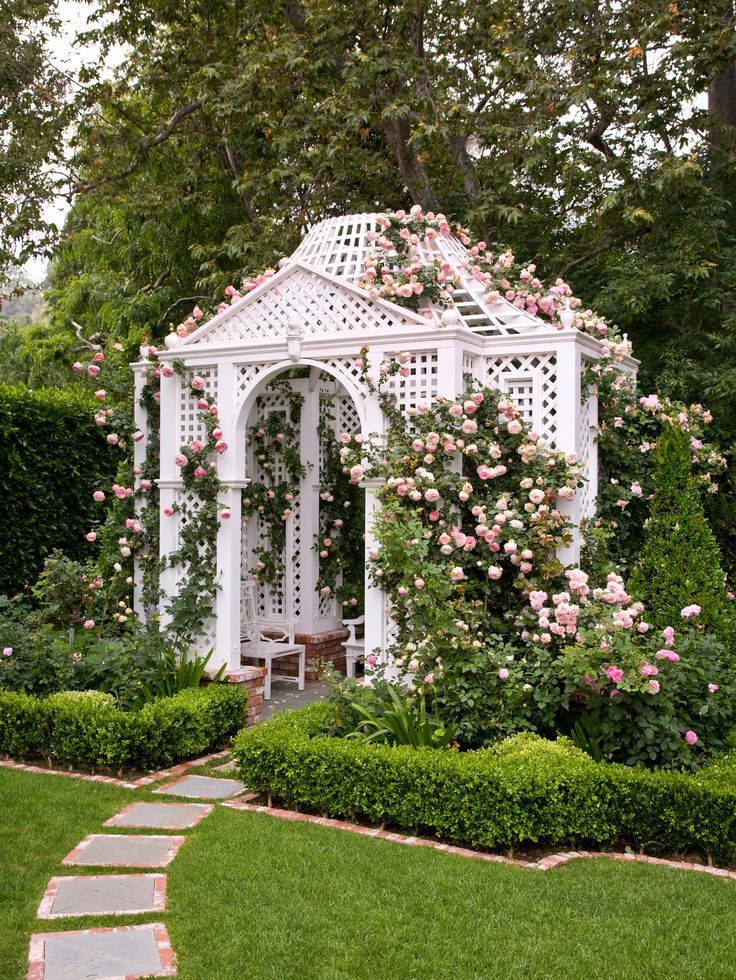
<point>191,425</point>
<point>520,370</point>
<point>307,298</point>
<point>421,385</point>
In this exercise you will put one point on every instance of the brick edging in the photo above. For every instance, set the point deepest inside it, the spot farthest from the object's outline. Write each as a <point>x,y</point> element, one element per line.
<point>547,863</point>
<point>152,777</point>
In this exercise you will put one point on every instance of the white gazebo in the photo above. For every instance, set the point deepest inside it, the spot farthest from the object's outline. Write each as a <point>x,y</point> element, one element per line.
<point>311,314</point>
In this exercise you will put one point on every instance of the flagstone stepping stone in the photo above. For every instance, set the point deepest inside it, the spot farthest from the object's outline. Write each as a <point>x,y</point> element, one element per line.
<point>125,850</point>
<point>226,767</point>
<point>103,895</point>
<point>123,951</point>
<point>202,787</point>
<point>160,816</point>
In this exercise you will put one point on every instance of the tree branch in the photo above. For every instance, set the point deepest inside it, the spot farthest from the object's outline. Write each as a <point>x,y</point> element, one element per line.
<point>232,161</point>
<point>153,286</point>
<point>78,328</point>
<point>146,145</point>
<point>182,299</point>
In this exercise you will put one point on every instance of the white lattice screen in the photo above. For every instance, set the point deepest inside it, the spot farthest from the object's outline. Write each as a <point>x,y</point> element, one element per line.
<point>191,425</point>
<point>319,307</point>
<point>533,379</point>
<point>421,384</point>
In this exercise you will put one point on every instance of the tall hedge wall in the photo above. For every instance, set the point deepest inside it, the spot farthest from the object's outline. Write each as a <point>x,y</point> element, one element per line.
<point>53,457</point>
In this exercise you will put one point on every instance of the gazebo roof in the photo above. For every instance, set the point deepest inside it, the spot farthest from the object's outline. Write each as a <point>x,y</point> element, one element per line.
<point>322,275</point>
<point>339,246</point>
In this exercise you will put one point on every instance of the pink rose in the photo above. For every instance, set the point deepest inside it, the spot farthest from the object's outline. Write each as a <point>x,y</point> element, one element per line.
<point>220,446</point>
<point>503,674</point>
<point>92,370</point>
<point>7,651</point>
<point>98,496</point>
<point>91,536</point>
<point>429,679</point>
<point>370,660</point>
<point>614,674</point>
<point>195,445</point>
<point>690,611</point>
<point>712,688</point>
<point>89,624</point>
<point>101,393</point>
<point>691,737</point>
<point>653,687</point>
<point>138,435</point>
<point>418,583</point>
<point>168,512</point>
<point>199,472</point>
<point>180,459</point>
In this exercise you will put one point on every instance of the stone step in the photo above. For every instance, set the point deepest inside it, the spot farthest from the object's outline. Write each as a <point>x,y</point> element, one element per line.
<point>122,952</point>
<point>125,851</point>
<point>103,895</point>
<point>160,816</point>
<point>202,787</point>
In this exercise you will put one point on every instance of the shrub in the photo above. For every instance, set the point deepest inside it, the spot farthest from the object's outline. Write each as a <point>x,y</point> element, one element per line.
<point>22,724</point>
<point>54,458</point>
<point>87,728</point>
<point>526,791</point>
<point>680,563</point>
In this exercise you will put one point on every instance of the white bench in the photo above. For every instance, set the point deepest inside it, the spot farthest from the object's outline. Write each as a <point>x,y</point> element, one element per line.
<point>354,646</point>
<point>267,641</point>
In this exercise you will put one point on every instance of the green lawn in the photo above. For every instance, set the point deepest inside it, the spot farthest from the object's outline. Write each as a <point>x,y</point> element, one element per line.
<point>250,896</point>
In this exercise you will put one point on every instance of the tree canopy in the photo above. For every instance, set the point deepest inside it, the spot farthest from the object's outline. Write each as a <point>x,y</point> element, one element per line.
<point>594,138</point>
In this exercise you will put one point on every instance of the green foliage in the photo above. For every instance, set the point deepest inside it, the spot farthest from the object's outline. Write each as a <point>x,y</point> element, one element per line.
<point>177,672</point>
<point>87,728</point>
<point>401,718</point>
<point>526,792</point>
<point>54,458</point>
<point>679,564</point>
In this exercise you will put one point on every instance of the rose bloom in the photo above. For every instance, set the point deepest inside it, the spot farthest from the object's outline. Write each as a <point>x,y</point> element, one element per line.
<point>503,674</point>
<point>691,737</point>
<point>98,496</point>
<point>689,611</point>
<point>514,427</point>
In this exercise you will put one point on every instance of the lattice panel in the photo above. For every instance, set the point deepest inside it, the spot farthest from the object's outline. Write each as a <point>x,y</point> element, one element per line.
<point>346,365</point>
<point>338,245</point>
<point>191,426</point>
<point>521,392</point>
<point>307,298</point>
<point>421,385</point>
<point>518,371</point>
<point>271,604</point>
<point>245,375</point>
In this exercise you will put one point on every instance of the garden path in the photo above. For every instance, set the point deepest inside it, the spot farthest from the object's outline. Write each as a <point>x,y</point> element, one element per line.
<point>122,951</point>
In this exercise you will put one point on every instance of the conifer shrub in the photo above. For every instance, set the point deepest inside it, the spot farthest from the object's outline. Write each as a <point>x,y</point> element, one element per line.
<point>680,563</point>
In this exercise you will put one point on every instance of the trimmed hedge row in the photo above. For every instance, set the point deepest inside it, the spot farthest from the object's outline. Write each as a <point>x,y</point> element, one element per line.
<point>87,728</point>
<point>54,456</point>
<point>525,791</point>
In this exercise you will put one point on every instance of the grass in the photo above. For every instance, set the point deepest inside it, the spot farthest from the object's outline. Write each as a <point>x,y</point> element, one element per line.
<point>253,896</point>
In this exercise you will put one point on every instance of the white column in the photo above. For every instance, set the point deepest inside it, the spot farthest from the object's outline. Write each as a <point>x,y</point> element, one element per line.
<point>227,600</point>
<point>449,369</point>
<point>169,483</point>
<point>140,417</point>
<point>309,619</point>
<point>375,598</point>
<point>569,412</point>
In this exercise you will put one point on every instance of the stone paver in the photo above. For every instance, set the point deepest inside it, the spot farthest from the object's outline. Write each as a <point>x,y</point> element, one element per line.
<point>125,851</point>
<point>226,767</point>
<point>202,787</point>
<point>160,816</point>
<point>124,952</point>
<point>103,895</point>
<point>285,695</point>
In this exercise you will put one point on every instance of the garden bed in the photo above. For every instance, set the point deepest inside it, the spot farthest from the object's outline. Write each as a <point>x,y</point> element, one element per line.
<point>88,730</point>
<point>526,792</point>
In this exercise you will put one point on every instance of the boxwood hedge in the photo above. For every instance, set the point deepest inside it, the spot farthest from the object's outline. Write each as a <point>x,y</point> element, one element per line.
<point>526,791</point>
<point>54,456</point>
<point>87,728</point>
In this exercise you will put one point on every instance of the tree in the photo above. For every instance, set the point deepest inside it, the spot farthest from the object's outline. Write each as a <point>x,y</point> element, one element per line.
<point>33,116</point>
<point>680,563</point>
<point>570,130</point>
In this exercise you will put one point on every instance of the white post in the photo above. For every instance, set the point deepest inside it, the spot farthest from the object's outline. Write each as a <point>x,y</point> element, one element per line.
<point>309,519</point>
<point>169,484</point>
<point>140,416</point>
<point>227,601</point>
<point>376,618</point>
<point>569,411</point>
